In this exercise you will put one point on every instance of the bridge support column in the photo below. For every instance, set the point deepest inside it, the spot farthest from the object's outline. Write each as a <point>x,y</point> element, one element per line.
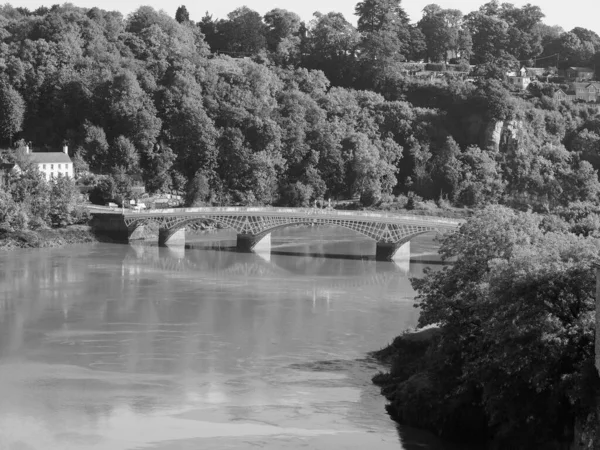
<point>260,243</point>
<point>392,251</point>
<point>167,237</point>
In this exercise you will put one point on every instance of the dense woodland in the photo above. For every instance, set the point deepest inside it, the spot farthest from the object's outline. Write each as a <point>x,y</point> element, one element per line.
<point>272,110</point>
<point>275,111</point>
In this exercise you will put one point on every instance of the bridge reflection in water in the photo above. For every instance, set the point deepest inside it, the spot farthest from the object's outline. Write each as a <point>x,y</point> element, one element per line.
<point>322,276</point>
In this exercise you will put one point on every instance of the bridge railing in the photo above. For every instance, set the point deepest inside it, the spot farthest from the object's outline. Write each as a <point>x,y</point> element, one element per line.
<point>293,211</point>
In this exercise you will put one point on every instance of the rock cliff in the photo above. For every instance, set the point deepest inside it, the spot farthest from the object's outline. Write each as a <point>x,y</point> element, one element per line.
<point>502,136</point>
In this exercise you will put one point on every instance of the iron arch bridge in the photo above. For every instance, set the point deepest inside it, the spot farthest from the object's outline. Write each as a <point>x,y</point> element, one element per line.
<point>391,232</point>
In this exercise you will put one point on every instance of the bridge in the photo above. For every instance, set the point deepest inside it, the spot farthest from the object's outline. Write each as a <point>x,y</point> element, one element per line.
<point>391,232</point>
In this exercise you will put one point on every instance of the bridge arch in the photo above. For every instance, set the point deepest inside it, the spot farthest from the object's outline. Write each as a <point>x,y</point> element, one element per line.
<point>134,228</point>
<point>390,231</point>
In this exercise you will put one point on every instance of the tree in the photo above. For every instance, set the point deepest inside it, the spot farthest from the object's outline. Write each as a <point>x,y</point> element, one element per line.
<point>442,29</point>
<point>198,190</point>
<point>516,310</point>
<point>103,192</point>
<point>12,111</point>
<point>380,15</point>
<point>158,169</point>
<point>281,24</point>
<point>208,27</point>
<point>95,148</point>
<point>385,32</point>
<point>482,181</point>
<point>182,15</point>
<point>333,43</point>
<point>63,201</point>
<point>243,32</point>
<point>499,28</point>
<point>123,155</point>
<point>369,175</point>
<point>447,168</point>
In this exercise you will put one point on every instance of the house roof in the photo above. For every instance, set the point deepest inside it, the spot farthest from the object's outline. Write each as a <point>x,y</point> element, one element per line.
<point>583,85</point>
<point>581,69</point>
<point>50,157</point>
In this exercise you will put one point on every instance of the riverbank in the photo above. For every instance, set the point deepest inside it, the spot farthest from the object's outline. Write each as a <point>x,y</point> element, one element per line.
<point>418,398</point>
<point>47,238</point>
<point>416,395</point>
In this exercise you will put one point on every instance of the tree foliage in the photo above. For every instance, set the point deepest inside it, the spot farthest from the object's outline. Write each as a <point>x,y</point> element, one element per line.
<point>516,310</point>
<point>287,110</point>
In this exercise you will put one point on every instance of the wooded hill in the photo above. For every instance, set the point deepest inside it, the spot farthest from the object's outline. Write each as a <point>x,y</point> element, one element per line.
<point>271,110</point>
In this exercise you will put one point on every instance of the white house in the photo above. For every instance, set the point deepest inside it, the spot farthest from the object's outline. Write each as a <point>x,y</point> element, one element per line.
<point>53,164</point>
<point>519,79</point>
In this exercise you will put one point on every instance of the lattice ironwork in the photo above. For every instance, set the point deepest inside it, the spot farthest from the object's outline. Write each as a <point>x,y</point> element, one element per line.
<point>256,224</point>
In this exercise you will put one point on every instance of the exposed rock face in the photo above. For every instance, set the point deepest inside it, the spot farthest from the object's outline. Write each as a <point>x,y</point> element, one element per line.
<point>502,136</point>
<point>496,135</point>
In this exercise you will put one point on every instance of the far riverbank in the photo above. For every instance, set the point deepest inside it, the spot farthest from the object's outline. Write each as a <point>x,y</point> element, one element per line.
<point>47,238</point>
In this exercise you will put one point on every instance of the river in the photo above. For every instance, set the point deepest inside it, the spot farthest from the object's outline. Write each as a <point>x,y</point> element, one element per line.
<point>119,347</point>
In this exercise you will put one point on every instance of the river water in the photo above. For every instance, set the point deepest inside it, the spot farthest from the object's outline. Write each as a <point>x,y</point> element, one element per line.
<point>123,347</point>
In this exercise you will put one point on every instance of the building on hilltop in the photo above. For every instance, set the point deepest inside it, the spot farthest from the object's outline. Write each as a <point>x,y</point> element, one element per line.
<point>560,96</point>
<point>519,79</point>
<point>579,73</point>
<point>585,91</point>
<point>535,72</point>
<point>52,164</point>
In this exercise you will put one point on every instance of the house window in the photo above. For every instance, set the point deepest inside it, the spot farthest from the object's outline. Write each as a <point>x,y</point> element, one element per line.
<point>44,166</point>
<point>52,166</point>
<point>59,166</point>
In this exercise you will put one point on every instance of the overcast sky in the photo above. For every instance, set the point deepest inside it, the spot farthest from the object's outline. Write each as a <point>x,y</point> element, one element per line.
<point>569,14</point>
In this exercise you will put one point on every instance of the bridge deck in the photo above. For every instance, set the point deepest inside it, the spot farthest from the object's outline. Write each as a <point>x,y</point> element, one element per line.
<point>379,217</point>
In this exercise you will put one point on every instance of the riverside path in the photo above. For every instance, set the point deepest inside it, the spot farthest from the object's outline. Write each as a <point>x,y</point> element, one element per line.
<point>253,225</point>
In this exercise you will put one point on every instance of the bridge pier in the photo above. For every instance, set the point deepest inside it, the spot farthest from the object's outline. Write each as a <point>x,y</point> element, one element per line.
<point>166,237</point>
<point>386,251</point>
<point>260,243</point>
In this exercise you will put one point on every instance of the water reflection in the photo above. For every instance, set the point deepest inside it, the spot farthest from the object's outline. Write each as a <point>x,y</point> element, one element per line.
<point>118,347</point>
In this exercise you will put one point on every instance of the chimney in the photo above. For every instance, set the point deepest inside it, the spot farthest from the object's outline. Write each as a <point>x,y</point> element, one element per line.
<point>65,149</point>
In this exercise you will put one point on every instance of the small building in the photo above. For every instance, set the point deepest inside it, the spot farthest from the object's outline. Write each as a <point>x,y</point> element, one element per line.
<point>588,92</point>
<point>519,79</point>
<point>53,164</point>
<point>6,171</point>
<point>579,73</point>
<point>537,72</point>
<point>561,96</point>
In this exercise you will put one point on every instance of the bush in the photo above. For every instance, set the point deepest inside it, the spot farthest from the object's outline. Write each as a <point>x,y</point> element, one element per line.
<point>296,194</point>
<point>104,191</point>
<point>516,311</point>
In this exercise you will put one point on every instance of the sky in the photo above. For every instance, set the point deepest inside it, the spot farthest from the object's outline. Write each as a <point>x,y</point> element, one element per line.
<point>581,13</point>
